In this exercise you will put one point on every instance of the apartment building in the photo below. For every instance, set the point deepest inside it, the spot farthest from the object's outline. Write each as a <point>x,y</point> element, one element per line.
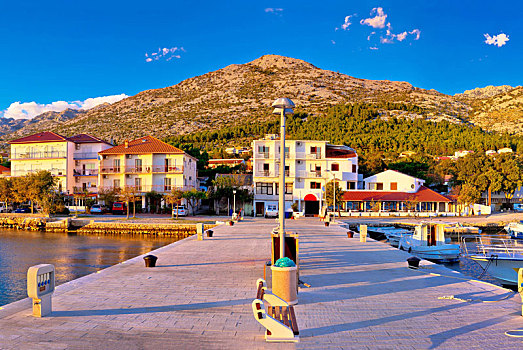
<point>85,171</point>
<point>147,164</point>
<point>309,166</point>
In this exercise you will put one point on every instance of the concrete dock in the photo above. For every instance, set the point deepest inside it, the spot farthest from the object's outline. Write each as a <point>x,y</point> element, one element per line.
<point>362,295</point>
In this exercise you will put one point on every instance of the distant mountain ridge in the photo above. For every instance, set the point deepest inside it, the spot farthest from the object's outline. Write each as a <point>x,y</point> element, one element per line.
<point>243,93</point>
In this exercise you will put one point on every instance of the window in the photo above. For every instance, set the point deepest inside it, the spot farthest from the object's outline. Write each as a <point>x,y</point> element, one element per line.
<point>166,184</point>
<point>287,171</point>
<point>77,146</point>
<point>393,186</point>
<point>288,187</point>
<point>315,185</point>
<point>354,168</point>
<point>335,167</point>
<point>138,184</point>
<point>138,165</point>
<point>351,185</point>
<point>116,183</point>
<point>116,165</point>
<point>264,188</point>
<point>314,149</point>
<point>376,186</point>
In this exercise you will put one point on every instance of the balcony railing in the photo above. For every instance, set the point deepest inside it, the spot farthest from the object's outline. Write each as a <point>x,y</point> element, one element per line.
<point>268,173</point>
<point>86,155</point>
<point>310,174</point>
<point>53,171</point>
<point>148,188</point>
<point>314,156</point>
<point>86,172</point>
<point>263,155</point>
<point>39,155</point>
<point>144,169</point>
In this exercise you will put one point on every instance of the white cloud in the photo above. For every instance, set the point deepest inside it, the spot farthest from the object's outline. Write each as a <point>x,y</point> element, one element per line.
<point>165,53</point>
<point>498,40</point>
<point>417,32</point>
<point>377,21</point>
<point>333,42</point>
<point>274,10</point>
<point>373,48</point>
<point>29,110</point>
<point>401,36</point>
<point>347,23</point>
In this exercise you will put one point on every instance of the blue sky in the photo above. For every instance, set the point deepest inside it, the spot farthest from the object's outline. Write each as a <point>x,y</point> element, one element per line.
<point>73,53</point>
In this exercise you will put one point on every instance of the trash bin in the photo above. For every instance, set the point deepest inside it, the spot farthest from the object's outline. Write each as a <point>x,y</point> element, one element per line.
<point>288,214</point>
<point>284,280</point>
<point>150,260</point>
<point>209,233</point>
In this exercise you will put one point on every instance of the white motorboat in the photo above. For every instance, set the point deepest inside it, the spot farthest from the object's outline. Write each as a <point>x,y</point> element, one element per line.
<point>392,233</point>
<point>428,242</point>
<point>515,229</point>
<point>499,257</point>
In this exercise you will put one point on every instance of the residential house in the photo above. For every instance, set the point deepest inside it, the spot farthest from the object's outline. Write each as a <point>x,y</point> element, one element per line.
<point>147,164</point>
<point>71,159</point>
<point>309,165</point>
<point>392,192</point>
<point>214,163</point>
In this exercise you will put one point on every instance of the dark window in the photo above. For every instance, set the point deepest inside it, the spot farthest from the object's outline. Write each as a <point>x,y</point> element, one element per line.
<point>354,169</point>
<point>288,187</point>
<point>379,186</point>
<point>351,185</point>
<point>335,167</point>
<point>264,188</point>
<point>393,186</point>
<point>315,185</point>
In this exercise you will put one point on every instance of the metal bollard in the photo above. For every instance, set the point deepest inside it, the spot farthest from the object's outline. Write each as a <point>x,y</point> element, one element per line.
<point>40,287</point>
<point>363,233</point>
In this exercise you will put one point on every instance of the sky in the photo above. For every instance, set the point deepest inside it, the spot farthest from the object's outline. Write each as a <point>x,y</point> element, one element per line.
<point>77,54</point>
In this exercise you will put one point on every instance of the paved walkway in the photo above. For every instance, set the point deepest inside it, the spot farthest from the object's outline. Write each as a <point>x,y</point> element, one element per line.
<point>361,296</point>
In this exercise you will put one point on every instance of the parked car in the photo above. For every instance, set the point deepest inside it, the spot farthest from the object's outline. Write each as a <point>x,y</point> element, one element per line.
<point>518,207</point>
<point>23,210</point>
<point>181,210</point>
<point>271,211</point>
<point>99,209</point>
<point>119,208</point>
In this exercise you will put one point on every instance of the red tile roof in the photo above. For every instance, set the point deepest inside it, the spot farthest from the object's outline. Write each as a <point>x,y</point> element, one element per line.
<point>226,161</point>
<point>86,138</point>
<point>143,145</point>
<point>340,152</point>
<point>424,194</point>
<point>3,169</point>
<point>45,136</point>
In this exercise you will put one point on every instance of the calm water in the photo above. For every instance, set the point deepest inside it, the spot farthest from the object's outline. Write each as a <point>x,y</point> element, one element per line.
<point>73,256</point>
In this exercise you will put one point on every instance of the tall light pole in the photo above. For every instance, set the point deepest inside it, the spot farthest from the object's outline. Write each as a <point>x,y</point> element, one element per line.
<point>282,106</point>
<point>234,202</point>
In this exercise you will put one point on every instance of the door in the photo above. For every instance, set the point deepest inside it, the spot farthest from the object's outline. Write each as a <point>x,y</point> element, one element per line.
<point>260,209</point>
<point>312,208</point>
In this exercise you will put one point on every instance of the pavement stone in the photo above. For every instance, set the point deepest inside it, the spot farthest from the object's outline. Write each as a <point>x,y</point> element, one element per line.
<point>362,296</point>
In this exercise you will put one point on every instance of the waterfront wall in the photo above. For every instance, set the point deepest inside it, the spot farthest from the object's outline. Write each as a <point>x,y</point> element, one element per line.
<point>110,228</point>
<point>32,222</point>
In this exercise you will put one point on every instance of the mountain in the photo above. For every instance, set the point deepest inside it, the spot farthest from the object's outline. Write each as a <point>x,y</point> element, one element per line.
<point>243,93</point>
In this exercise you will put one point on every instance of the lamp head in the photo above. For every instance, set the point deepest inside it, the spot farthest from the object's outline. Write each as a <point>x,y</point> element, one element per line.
<point>278,111</point>
<point>283,102</point>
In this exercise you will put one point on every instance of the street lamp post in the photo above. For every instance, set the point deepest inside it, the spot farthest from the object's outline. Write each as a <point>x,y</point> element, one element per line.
<point>234,202</point>
<point>282,106</point>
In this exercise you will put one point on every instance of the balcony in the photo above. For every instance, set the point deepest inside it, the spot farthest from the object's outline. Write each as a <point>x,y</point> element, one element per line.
<point>264,155</point>
<point>310,174</point>
<point>313,156</point>
<point>38,155</point>
<point>144,169</point>
<point>148,188</point>
<point>268,173</point>
<point>86,172</point>
<point>53,171</point>
<point>85,155</point>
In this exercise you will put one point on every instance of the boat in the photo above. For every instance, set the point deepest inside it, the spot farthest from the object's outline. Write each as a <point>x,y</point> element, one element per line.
<point>515,229</point>
<point>500,257</point>
<point>392,233</point>
<point>428,242</point>
<point>461,229</point>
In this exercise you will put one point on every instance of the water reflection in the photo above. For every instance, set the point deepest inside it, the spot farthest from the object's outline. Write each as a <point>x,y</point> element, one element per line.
<point>72,255</point>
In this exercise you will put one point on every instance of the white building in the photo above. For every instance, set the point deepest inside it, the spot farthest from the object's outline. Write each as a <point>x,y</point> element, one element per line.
<point>392,180</point>
<point>309,165</point>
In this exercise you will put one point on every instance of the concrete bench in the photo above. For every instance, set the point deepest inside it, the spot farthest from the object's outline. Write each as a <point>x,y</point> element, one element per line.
<point>279,320</point>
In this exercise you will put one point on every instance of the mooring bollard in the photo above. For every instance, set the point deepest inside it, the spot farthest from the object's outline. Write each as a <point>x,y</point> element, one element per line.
<point>40,287</point>
<point>150,260</point>
<point>363,233</point>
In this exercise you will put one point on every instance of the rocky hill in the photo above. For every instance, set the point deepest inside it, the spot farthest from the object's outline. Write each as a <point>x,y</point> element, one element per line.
<point>243,93</point>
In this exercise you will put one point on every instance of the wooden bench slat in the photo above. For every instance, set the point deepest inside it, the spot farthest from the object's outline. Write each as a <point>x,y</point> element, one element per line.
<point>294,324</point>
<point>285,317</point>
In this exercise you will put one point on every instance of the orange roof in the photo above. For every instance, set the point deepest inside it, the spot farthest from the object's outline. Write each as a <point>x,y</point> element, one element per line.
<point>143,145</point>
<point>424,194</point>
<point>46,136</point>
<point>3,168</point>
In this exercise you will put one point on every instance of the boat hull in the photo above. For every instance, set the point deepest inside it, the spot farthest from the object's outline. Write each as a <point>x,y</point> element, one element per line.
<point>439,253</point>
<point>501,268</point>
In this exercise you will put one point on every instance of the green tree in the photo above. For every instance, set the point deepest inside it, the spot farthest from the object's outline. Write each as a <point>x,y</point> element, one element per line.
<point>128,195</point>
<point>6,190</point>
<point>193,196</point>
<point>108,195</point>
<point>173,199</point>
<point>329,194</point>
